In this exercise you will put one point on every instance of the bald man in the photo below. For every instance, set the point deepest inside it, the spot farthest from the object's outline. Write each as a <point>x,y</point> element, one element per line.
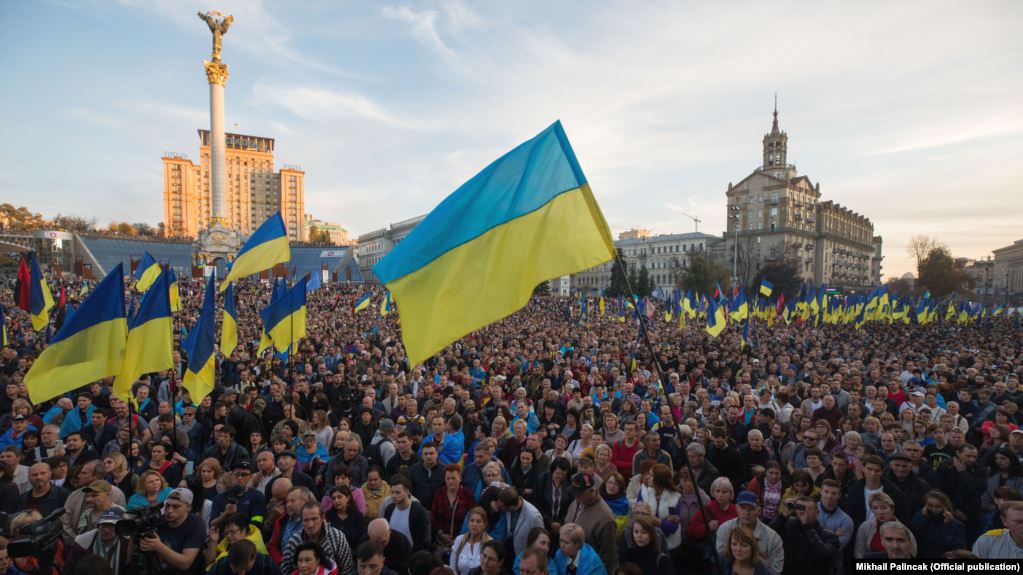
<point>397,548</point>
<point>44,497</point>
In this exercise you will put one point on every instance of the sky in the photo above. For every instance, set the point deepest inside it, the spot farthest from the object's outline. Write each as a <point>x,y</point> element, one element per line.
<point>907,112</point>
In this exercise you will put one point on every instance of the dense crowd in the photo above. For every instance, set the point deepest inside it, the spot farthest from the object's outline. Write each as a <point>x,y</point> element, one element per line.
<point>545,443</point>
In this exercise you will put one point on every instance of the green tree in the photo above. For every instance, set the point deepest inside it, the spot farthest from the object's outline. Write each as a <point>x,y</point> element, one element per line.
<point>703,274</point>
<point>939,274</point>
<point>783,273</point>
<point>633,280</point>
<point>645,284</point>
<point>542,288</point>
<point>618,277</point>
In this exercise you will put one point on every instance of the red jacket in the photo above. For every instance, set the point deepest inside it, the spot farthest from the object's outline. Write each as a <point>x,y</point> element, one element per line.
<point>444,516</point>
<point>698,528</point>
<point>622,456</point>
<point>274,546</point>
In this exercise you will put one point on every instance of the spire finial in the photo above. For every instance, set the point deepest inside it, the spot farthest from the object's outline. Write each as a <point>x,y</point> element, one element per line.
<point>774,126</point>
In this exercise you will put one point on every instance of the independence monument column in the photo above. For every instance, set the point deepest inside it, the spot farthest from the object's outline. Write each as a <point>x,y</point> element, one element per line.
<point>218,240</point>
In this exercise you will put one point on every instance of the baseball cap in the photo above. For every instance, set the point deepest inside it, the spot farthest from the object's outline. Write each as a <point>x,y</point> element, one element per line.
<point>112,515</point>
<point>386,424</point>
<point>309,433</point>
<point>243,464</point>
<point>918,393</point>
<point>1018,430</point>
<point>287,453</point>
<point>582,481</point>
<point>19,417</point>
<point>900,455</point>
<point>747,498</point>
<point>98,486</point>
<point>181,494</point>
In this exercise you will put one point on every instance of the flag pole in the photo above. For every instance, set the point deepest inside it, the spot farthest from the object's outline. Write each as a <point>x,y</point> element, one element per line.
<point>657,367</point>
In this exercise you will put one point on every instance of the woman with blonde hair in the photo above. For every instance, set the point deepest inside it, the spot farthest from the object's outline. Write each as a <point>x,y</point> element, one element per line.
<point>604,467</point>
<point>152,490</point>
<point>466,548</point>
<point>868,536</point>
<point>210,472</point>
<point>742,555</point>
<point>117,473</point>
<point>321,425</point>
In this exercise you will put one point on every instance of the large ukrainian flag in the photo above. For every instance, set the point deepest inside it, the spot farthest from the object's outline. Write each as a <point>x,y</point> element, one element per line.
<point>40,300</point>
<point>89,346</point>
<point>526,218</point>
<point>146,272</point>
<point>715,319</point>
<point>266,247</point>
<point>199,377</point>
<point>229,325</point>
<point>284,318</point>
<point>150,345</point>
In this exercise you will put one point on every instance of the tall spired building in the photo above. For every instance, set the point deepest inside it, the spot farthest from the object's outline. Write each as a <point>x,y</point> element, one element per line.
<point>775,213</point>
<point>234,187</point>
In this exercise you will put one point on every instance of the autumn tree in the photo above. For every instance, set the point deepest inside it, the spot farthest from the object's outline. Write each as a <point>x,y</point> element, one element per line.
<point>19,219</point>
<point>618,277</point>
<point>74,224</point>
<point>921,246</point>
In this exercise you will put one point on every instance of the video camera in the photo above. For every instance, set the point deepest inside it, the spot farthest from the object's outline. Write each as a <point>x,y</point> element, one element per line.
<point>36,539</point>
<point>143,523</point>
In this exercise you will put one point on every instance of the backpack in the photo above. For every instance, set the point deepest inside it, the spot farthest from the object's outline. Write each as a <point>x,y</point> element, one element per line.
<point>373,454</point>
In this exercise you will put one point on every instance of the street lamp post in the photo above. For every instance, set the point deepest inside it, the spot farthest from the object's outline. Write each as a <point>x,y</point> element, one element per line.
<point>735,209</point>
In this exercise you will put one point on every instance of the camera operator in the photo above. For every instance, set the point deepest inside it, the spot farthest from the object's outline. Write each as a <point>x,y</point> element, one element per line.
<point>178,542</point>
<point>239,498</point>
<point>102,541</point>
<point>809,548</point>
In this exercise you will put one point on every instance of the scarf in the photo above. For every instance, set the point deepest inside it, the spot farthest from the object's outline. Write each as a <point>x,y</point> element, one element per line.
<point>112,553</point>
<point>619,506</point>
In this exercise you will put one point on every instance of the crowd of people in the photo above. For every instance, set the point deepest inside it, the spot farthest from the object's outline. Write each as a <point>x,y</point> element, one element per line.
<point>544,443</point>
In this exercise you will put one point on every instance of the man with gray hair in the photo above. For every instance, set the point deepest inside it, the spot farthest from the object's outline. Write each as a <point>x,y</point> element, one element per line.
<point>705,471</point>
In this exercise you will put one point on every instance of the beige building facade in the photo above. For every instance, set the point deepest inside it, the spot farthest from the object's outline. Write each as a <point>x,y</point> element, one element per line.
<point>254,190</point>
<point>1007,283</point>
<point>665,256</point>
<point>776,213</point>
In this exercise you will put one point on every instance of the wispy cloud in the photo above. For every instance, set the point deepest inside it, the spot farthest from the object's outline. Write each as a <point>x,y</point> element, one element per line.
<point>315,104</point>
<point>423,26</point>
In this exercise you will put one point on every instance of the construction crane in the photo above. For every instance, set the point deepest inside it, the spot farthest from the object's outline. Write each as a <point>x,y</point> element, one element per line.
<point>696,220</point>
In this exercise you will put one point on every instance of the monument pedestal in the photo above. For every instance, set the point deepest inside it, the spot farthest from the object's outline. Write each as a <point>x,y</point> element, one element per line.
<point>217,245</point>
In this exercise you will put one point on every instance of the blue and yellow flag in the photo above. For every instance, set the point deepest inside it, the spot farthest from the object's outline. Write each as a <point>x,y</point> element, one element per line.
<point>715,318</point>
<point>201,372</point>
<point>284,318</point>
<point>150,346</point>
<point>363,302</point>
<point>766,288</point>
<point>89,346</point>
<point>600,304</point>
<point>266,247</point>
<point>229,324</point>
<point>3,327</point>
<point>175,294</point>
<point>526,218</point>
<point>385,306</point>
<point>40,300</point>
<point>740,307</point>
<point>146,272</point>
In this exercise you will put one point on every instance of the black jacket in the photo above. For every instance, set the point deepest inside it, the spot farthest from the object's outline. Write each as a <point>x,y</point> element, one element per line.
<point>808,548</point>
<point>856,506</point>
<point>418,524</point>
<point>426,482</point>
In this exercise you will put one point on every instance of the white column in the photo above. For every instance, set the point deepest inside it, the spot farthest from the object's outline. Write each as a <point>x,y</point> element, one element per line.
<point>218,172</point>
